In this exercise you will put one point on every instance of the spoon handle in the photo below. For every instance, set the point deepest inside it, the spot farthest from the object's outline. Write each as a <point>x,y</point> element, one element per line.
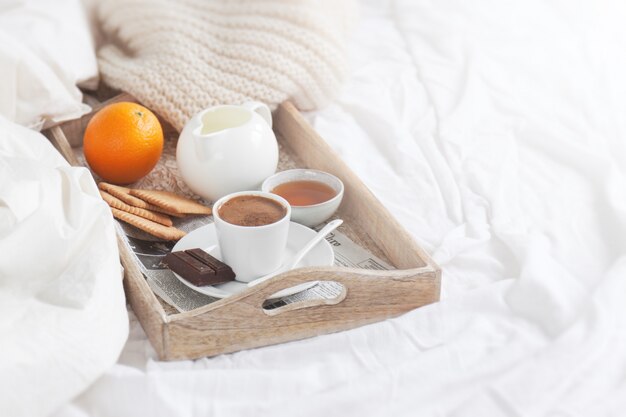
<point>301,253</point>
<point>318,237</point>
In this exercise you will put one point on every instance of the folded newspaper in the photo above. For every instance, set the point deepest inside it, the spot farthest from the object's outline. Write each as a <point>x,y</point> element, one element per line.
<point>150,254</point>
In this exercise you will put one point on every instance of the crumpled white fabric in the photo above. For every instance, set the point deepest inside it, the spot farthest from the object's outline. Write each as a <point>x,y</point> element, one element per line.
<point>63,314</point>
<point>46,48</point>
<point>495,133</point>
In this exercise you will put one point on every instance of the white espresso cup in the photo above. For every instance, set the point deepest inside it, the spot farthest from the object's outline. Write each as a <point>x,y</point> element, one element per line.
<point>252,251</point>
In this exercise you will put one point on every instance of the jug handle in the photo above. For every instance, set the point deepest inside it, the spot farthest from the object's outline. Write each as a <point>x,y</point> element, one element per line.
<point>261,109</point>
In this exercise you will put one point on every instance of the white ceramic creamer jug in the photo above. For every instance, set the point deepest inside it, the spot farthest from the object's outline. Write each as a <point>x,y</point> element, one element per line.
<point>225,149</point>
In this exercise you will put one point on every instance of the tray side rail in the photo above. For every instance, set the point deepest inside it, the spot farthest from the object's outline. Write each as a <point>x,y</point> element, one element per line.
<point>359,206</point>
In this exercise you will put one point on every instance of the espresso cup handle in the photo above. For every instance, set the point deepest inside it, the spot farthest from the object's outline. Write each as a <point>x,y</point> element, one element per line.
<point>261,109</point>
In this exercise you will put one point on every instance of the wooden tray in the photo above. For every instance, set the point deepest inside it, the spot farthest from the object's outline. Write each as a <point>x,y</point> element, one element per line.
<point>240,322</point>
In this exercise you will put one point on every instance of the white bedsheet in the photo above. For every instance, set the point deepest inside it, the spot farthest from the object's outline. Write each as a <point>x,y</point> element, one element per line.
<point>494,131</point>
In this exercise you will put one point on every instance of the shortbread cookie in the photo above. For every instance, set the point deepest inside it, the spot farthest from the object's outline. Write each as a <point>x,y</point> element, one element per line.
<point>171,202</point>
<point>155,229</point>
<point>146,214</point>
<point>123,193</point>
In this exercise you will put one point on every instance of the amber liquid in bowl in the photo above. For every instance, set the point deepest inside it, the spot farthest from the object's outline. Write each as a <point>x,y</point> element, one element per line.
<point>304,193</point>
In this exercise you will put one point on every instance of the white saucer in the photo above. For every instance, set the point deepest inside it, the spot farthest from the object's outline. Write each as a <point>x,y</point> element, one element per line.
<point>205,238</point>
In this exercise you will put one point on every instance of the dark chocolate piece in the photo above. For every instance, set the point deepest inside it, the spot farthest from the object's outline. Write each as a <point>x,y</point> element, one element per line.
<point>218,266</point>
<point>199,268</point>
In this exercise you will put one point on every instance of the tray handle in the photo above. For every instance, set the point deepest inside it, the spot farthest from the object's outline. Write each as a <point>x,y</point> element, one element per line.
<point>372,294</point>
<point>239,322</point>
<point>336,299</point>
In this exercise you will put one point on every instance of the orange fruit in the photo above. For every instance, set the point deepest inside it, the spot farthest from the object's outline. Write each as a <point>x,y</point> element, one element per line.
<point>123,142</point>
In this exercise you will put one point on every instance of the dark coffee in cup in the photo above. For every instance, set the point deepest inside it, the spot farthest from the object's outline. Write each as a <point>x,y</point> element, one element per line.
<point>251,211</point>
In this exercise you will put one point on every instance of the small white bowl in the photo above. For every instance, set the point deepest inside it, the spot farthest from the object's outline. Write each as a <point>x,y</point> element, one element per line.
<point>314,214</point>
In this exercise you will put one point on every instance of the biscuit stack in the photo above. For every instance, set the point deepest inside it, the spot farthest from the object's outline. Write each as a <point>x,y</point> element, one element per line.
<point>150,210</point>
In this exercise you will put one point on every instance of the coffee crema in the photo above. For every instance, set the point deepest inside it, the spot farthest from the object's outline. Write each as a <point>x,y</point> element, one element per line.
<point>251,211</point>
<point>304,192</point>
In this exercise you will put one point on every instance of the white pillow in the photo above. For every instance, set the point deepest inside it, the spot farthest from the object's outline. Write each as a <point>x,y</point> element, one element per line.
<point>46,48</point>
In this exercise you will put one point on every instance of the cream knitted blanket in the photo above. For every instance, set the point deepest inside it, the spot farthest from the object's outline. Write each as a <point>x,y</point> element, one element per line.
<point>179,57</point>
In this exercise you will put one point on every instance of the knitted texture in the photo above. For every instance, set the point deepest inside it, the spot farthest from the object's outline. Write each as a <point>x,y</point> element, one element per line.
<point>179,57</point>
